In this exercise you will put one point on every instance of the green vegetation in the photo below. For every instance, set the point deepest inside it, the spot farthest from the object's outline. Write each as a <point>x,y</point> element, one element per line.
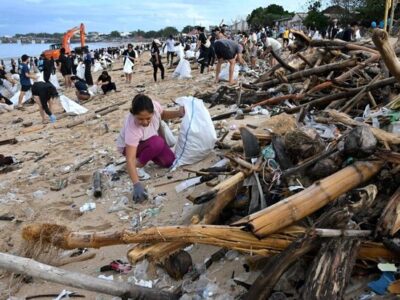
<point>267,16</point>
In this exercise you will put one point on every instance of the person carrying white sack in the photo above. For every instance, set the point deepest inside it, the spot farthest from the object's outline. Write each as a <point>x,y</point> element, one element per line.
<point>131,55</point>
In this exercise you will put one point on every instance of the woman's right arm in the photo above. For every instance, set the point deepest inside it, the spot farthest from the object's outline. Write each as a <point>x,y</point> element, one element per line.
<point>131,163</point>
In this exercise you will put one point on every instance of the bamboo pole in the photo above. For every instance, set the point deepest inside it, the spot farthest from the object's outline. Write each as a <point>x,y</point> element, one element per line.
<point>387,7</point>
<point>222,236</point>
<point>26,266</point>
<point>304,203</point>
<point>381,41</point>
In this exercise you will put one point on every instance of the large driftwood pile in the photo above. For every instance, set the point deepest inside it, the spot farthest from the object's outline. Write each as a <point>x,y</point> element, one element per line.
<point>323,186</point>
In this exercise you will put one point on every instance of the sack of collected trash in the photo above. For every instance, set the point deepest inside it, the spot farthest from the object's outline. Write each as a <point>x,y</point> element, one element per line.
<point>197,134</point>
<point>179,51</point>
<point>224,74</point>
<point>128,65</point>
<point>71,107</point>
<point>183,70</point>
<point>80,70</point>
<point>97,66</point>
<point>167,134</point>
<point>93,90</point>
<point>27,96</point>
<point>54,81</point>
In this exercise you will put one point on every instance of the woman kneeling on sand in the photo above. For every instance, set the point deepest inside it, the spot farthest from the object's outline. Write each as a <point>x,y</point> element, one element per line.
<point>139,140</point>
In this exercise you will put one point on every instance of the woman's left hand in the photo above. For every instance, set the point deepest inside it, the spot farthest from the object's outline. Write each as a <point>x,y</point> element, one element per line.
<point>182,111</point>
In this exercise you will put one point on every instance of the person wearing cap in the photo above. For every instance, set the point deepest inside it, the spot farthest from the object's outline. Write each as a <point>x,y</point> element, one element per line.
<point>24,78</point>
<point>43,94</point>
<point>129,54</point>
<point>156,59</point>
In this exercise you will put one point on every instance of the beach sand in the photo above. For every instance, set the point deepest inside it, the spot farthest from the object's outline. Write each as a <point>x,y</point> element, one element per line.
<point>69,146</point>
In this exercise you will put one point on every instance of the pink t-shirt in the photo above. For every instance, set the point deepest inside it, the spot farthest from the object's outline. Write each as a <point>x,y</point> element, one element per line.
<point>132,133</point>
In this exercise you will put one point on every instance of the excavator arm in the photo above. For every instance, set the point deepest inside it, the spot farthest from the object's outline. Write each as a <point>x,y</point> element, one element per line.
<point>70,33</point>
<point>55,52</point>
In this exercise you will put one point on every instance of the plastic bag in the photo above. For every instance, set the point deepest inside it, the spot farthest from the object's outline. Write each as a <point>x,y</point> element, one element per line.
<point>128,65</point>
<point>93,90</point>
<point>80,70</point>
<point>54,81</point>
<point>179,51</point>
<point>71,107</point>
<point>197,134</point>
<point>27,96</point>
<point>167,134</point>
<point>183,70</point>
<point>97,66</point>
<point>224,74</point>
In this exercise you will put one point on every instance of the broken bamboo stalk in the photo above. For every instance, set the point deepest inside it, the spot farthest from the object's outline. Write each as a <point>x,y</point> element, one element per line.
<point>230,237</point>
<point>381,41</point>
<point>304,203</point>
<point>26,266</point>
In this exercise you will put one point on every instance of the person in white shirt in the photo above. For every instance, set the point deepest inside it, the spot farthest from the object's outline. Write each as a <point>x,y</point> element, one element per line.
<point>170,44</point>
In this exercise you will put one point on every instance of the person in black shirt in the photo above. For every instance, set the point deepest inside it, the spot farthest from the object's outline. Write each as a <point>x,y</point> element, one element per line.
<point>203,44</point>
<point>82,91</point>
<point>105,82</point>
<point>87,60</point>
<point>156,59</point>
<point>129,53</point>
<point>65,67</point>
<point>43,93</point>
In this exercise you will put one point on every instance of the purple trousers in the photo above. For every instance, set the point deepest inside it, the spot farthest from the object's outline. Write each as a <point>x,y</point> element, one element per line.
<point>157,150</point>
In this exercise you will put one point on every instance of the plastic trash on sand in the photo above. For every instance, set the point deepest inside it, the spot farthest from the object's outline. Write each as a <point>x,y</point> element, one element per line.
<point>224,74</point>
<point>87,207</point>
<point>167,134</point>
<point>197,134</point>
<point>27,96</point>
<point>80,70</point>
<point>71,107</point>
<point>97,66</point>
<point>54,81</point>
<point>183,70</point>
<point>128,65</point>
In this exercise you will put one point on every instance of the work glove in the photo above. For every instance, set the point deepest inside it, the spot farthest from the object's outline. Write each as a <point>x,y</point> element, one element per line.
<point>139,192</point>
<point>53,118</point>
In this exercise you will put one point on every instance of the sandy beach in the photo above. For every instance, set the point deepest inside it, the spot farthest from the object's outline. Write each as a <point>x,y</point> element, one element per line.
<point>27,192</point>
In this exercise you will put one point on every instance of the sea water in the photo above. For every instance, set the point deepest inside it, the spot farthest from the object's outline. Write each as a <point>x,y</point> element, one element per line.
<point>8,51</point>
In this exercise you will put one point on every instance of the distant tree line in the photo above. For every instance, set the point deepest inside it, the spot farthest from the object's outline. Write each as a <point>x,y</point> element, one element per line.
<point>361,11</point>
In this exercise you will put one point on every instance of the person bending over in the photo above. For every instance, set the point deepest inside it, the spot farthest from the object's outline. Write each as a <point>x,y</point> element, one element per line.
<point>227,50</point>
<point>105,82</point>
<point>139,140</point>
<point>43,94</point>
<point>82,91</point>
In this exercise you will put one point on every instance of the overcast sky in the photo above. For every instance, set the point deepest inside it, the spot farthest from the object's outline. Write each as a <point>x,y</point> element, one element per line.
<point>23,16</point>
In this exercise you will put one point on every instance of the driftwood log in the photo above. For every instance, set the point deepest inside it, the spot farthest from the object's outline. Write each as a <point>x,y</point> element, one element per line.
<point>222,236</point>
<point>381,41</point>
<point>26,266</point>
